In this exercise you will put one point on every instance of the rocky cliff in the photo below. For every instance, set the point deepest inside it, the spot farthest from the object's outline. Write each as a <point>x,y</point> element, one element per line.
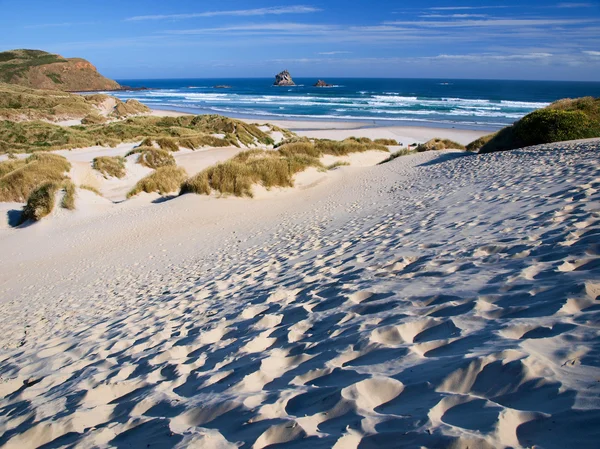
<point>284,79</point>
<point>41,70</point>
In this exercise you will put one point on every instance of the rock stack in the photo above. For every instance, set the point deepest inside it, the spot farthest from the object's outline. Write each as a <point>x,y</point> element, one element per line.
<point>284,79</point>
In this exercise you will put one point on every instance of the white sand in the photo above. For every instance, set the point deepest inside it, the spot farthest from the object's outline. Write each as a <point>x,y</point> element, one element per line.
<point>440,300</point>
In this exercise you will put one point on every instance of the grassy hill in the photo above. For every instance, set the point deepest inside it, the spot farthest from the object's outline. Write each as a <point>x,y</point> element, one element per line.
<point>18,103</point>
<point>41,70</point>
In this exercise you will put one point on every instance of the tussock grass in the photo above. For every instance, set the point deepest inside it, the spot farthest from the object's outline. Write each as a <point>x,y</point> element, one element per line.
<point>436,144</point>
<point>164,180</point>
<point>93,119</point>
<point>39,168</point>
<point>110,166</point>
<point>478,143</point>
<point>11,165</point>
<point>567,119</point>
<point>167,143</point>
<point>292,139</point>
<point>90,188</point>
<point>155,158</point>
<point>347,146</point>
<point>192,131</point>
<point>42,200</point>
<point>68,200</point>
<point>337,164</point>
<point>387,142</point>
<point>396,154</point>
<point>237,175</point>
<point>130,107</point>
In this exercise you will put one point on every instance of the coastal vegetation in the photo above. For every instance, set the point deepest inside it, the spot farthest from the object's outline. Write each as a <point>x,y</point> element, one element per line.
<point>153,157</point>
<point>567,119</point>
<point>237,175</point>
<point>168,133</point>
<point>19,103</point>
<point>397,154</point>
<point>272,168</point>
<point>163,180</point>
<point>110,166</point>
<point>437,144</point>
<point>42,200</point>
<point>19,177</point>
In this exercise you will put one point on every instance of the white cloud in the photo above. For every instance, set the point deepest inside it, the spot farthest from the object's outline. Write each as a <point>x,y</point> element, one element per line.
<point>285,28</point>
<point>492,23</point>
<point>591,53</point>
<point>275,10</point>
<point>334,53</point>
<point>574,5</point>
<point>453,16</point>
<point>465,8</point>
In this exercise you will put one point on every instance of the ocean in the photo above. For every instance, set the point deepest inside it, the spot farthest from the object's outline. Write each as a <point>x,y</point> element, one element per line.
<point>469,104</point>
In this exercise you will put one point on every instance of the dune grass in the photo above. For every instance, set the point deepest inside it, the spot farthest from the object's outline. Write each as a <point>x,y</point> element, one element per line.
<point>42,200</point>
<point>337,164</point>
<point>478,143</point>
<point>397,154</point>
<point>110,166</point>
<point>437,144</point>
<point>387,142</point>
<point>237,175</point>
<point>567,119</point>
<point>168,132</point>
<point>20,177</point>
<point>163,180</point>
<point>167,143</point>
<point>155,158</point>
<point>90,188</point>
<point>93,119</point>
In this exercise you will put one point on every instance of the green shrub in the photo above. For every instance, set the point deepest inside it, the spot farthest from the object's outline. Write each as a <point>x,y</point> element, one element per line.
<point>110,166</point>
<point>164,180</point>
<point>565,119</point>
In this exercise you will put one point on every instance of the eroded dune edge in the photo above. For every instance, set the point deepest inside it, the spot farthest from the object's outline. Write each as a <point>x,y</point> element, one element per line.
<point>440,300</point>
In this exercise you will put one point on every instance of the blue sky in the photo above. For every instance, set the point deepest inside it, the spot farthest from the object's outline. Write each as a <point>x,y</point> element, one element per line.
<point>528,39</point>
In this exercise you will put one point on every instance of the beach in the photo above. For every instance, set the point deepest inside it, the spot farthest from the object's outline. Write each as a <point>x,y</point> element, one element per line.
<point>443,299</point>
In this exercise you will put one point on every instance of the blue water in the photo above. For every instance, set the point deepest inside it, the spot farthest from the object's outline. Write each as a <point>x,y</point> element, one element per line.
<point>489,104</point>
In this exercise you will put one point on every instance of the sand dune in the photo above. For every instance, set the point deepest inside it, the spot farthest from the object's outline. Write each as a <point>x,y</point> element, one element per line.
<point>441,300</point>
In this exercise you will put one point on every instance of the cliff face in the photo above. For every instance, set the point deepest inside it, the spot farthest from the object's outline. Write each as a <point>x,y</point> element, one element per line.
<point>284,79</point>
<point>40,70</point>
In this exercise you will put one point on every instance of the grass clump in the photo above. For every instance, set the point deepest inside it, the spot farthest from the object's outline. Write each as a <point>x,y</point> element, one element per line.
<point>167,143</point>
<point>155,158</point>
<point>110,166</point>
<point>90,188</point>
<point>347,146</point>
<point>237,175</point>
<point>567,119</point>
<point>167,132</point>
<point>164,180</point>
<point>437,144</point>
<point>387,142</point>
<point>42,200</point>
<point>396,154</point>
<point>337,164</point>
<point>93,119</point>
<point>19,180</point>
<point>478,143</point>
<point>129,107</point>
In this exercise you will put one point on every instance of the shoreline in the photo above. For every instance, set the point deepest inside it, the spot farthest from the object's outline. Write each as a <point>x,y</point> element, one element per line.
<point>339,130</point>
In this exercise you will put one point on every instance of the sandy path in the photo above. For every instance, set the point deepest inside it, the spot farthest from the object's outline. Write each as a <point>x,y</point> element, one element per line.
<point>441,300</point>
